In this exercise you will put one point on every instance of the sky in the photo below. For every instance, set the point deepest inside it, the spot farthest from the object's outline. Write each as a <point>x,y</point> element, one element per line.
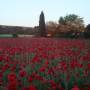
<point>27,12</point>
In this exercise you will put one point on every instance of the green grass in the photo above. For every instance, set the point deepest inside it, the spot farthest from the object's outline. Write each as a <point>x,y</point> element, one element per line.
<point>6,35</point>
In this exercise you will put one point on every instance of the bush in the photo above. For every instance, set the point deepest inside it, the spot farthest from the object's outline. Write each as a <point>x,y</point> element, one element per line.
<point>15,35</point>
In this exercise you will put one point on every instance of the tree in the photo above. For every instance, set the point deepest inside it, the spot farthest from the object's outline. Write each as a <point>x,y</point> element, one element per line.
<point>71,19</point>
<point>42,27</point>
<point>87,31</point>
<point>61,20</point>
<point>88,28</point>
<point>72,24</point>
<point>51,27</point>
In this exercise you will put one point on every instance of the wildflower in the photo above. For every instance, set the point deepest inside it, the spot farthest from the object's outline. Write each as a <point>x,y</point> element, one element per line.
<point>11,76</point>
<point>47,62</point>
<point>32,87</point>
<point>1,58</point>
<point>35,59</point>
<point>1,75</point>
<point>88,66</point>
<point>42,69</point>
<point>75,88</point>
<point>22,73</point>
<point>73,64</point>
<point>25,88</point>
<point>1,82</point>
<point>5,67</point>
<point>88,88</point>
<point>30,79</point>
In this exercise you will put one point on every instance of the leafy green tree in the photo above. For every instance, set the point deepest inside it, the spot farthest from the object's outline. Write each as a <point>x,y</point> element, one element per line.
<point>72,24</point>
<point>61,20</point>
<point>42,27</point>
<point>71,19</point>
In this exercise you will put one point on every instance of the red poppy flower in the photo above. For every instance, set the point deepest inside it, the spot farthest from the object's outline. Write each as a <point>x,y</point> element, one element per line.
<point>88,66</point>
<point>32,87</point>
<point>5,67</point>
<point>10,87</point>
<point>38,77</point>
<point>1,58</point>
<point>35,59</point>
<point>22,73</point>
<point>73,64</point>
<point>75,88</point>
<point>47,62</point>
<point>53,83</point>
<point>1,75</point>
<point>11,76</point>
<point>1,82</point>
<point>13,68</point>
<point>13,83</point>
<point>85,72</point>
<point>30,79</point>
<point>89,88</point>
<point>25,88</point>
<point>42,69</point>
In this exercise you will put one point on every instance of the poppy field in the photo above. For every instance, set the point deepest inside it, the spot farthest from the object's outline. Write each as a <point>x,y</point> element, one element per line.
<point>44,64</point>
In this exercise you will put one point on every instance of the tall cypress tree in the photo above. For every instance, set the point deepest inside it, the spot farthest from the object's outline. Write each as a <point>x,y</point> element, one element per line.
<point>42,27</point>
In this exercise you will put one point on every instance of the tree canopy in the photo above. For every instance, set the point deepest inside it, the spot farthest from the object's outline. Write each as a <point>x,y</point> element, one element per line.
<point>71,19</point>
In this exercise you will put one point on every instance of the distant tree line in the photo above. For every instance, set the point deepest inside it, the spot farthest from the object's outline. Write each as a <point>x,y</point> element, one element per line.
<point>70,26</point>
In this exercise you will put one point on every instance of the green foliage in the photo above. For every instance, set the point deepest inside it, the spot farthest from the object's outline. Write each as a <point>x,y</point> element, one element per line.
<point>40,85</point>
<point>5,74</point>
<point>25,81</point>
<point>71,82</point>
<point>61,20</point>
<point>28,69</point>
<point>71,18</point>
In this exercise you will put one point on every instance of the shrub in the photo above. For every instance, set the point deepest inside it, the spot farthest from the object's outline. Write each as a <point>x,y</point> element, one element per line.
<point>15,35</point>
